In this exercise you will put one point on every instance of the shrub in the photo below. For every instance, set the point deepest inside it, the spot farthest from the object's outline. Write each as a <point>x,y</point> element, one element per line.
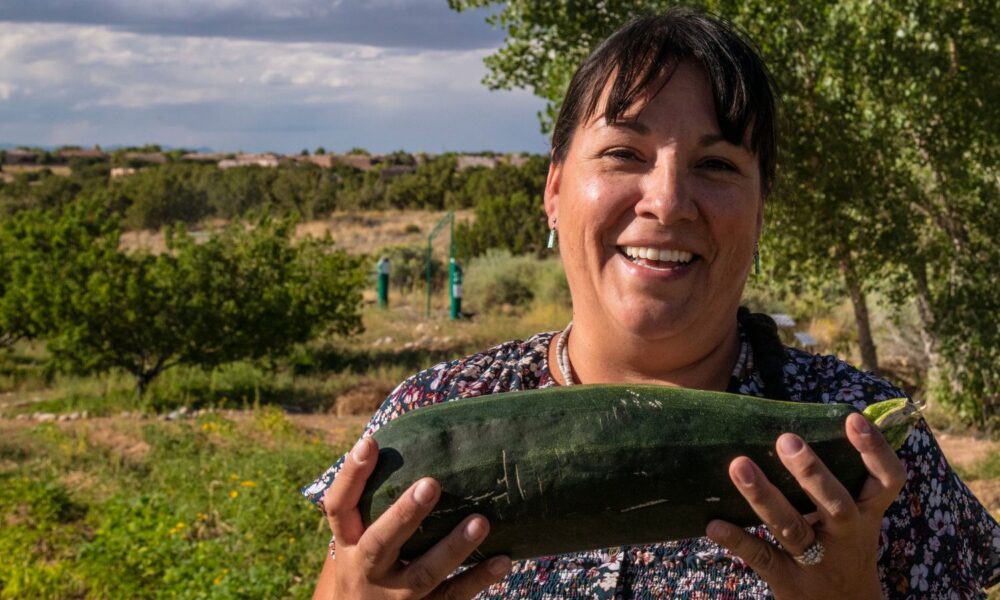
<point>497,279</point>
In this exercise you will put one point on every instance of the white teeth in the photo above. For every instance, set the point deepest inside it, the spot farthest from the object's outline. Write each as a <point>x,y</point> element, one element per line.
<point>678,256</point>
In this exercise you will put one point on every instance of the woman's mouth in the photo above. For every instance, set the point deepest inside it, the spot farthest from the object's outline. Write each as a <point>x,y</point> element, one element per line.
<point>656,258</point>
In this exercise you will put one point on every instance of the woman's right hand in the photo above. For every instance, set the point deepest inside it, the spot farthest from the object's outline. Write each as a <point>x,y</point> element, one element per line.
<point>366,563</point>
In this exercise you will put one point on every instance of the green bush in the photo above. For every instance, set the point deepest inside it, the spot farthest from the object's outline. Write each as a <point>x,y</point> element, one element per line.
<point>514,222</point>
<point>408,268</point>
<point>243,294</point>
<point>497,279</point>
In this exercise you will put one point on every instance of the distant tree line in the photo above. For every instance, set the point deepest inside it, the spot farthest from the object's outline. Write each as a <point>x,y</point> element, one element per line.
<point>184,192</point>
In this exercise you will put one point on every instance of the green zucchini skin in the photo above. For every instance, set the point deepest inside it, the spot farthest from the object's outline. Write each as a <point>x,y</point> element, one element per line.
<point>567,469</point>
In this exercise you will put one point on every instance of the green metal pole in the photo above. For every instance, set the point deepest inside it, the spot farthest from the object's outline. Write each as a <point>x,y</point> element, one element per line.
<point>455,288</point>
<point>383,282</point>
<point>429,275</point>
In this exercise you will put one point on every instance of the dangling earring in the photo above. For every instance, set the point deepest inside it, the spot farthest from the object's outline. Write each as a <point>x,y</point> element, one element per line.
<point>756,258</point>
<point>552,236</point>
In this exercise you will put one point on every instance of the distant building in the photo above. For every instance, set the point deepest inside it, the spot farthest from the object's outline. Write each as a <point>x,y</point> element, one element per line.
<point>117,172</point>
<point>394,171</point>
<point>21,157</point>
<point>362,162</point>
<point>212,157</point>
<point>514,160</point>
<point>79,153</point>
<point>149,158</point>
<point>323,160</point>
<point>469,161</point>
<point>250,160</point>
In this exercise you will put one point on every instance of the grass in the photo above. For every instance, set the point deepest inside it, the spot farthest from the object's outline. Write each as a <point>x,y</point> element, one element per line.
<point>140,509</point>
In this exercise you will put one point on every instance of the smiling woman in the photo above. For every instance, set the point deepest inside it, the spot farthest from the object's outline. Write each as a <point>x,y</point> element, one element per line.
<point>662,157</point>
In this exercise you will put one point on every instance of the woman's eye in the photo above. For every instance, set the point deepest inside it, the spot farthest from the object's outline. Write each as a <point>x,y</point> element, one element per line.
<point>717,164</point>
<point>622,154</point>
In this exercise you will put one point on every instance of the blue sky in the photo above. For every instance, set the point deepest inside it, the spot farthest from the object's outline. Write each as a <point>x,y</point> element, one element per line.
<point>256,75</point>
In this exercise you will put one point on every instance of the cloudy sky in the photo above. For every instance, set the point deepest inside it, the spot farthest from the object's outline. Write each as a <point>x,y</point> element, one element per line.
<point>256,75</point>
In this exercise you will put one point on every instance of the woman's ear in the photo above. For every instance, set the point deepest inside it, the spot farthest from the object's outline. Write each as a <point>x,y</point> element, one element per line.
<point>552,192</point>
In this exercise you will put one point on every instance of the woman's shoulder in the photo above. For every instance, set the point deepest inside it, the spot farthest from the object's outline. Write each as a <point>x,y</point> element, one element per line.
<point>512,365</point>
<point>825,378</point>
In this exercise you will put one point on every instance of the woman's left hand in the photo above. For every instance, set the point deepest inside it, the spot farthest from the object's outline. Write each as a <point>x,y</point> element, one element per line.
<point>847,529</point>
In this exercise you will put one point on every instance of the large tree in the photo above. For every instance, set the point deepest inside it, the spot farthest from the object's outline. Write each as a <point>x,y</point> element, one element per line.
<point>890,128</point>
<point>244,294</point>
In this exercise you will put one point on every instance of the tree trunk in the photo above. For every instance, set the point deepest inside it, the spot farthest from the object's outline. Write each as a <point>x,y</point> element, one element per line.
<point>926,313</point>
<point>869,357</point>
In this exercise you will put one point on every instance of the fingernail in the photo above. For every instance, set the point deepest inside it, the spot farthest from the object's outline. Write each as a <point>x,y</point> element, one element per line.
<point>424,492</point>
<point>475,529</point>
<point>362,450</point>
<point>745,473</point>
<point>790,444</point>
<point>716,530</point>
<point>861,425</point>
<point>499,565</point>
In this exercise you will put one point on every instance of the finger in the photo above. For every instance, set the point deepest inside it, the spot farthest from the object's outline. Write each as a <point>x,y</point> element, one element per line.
<point>887,472</point>
<point>425,573</point>
<point>785,523</point>
<point>380,543</point>
<point>340,503</point>
<point>475,580</point>
<point>825,490</point>
<point>764,558</point>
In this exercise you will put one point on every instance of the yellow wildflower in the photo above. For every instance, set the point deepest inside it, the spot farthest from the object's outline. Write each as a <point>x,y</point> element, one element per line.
<point>249,484</point>
<point>233,494</point>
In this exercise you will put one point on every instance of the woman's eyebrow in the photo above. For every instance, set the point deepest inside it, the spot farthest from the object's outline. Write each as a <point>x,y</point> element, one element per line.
<point>635,126</point>
<point>709,139</point>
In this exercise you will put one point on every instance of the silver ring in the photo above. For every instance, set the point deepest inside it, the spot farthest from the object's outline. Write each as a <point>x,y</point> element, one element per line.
<point>813,555</point>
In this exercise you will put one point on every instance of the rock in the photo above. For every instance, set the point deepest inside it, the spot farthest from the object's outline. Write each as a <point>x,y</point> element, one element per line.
<point>73,416</point>
<point>23,417</point>
<point>45,417</point>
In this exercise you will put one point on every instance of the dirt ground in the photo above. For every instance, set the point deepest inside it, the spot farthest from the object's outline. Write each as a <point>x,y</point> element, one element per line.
<point>966,451</point>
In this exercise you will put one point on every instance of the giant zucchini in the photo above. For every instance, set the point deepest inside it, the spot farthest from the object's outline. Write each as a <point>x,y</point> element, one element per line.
<point>590,466</point>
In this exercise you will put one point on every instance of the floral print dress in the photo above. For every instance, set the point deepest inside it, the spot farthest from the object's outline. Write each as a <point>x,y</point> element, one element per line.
<point>937,540</point>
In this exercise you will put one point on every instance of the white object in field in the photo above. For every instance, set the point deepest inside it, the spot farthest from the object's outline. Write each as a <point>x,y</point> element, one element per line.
<point>783,321</point>
<point>805,340</point>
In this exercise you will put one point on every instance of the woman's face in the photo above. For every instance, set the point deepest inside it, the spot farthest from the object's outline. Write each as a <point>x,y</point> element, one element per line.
<point>657,215</point>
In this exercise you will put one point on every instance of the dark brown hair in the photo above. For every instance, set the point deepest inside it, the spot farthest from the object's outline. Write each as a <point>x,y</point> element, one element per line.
<point>645,50</point>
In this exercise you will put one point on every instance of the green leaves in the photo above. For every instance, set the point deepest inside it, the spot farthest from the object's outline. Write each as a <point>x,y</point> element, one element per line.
<point>247,293</point>
<point>888,169</point>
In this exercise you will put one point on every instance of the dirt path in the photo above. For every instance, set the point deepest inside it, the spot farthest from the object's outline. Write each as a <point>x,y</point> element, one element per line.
<point>964,452</point>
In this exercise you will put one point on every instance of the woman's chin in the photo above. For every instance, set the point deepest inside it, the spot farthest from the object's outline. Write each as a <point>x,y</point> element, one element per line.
<point>653,324</point>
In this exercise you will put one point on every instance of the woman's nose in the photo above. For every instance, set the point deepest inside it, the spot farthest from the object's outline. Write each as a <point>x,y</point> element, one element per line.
<point>665,196</point>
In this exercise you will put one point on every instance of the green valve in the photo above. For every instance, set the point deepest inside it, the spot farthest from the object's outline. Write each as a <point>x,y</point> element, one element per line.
<point>382,268</point>
<point>455,288</point>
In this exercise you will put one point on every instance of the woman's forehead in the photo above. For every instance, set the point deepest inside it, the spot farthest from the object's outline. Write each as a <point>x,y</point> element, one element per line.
<point>683,86</point>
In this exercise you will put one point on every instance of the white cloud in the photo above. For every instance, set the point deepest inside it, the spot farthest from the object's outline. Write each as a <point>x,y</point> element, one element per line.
<point>80,77</point>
